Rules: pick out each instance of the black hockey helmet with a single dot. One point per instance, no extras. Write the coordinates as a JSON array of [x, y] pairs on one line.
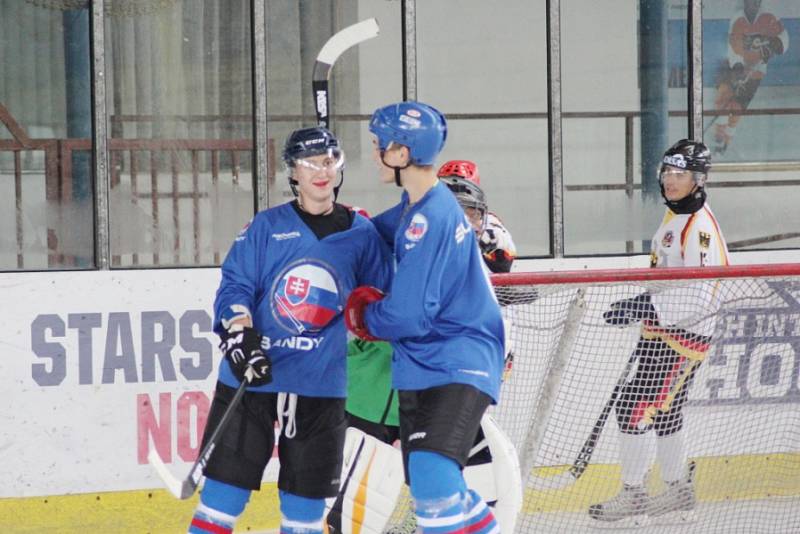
[[692, 156], [469, 195], [688, 155], [308, 142]]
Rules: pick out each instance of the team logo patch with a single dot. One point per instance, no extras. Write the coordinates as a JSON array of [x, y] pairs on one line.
[[666, 241], [411, 121], [417, 227], [676, 160], [243, 231], [305, 297], [705, 240]]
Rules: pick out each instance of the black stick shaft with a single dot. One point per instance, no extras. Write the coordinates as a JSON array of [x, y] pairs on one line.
[[196, 471], [583, 458]]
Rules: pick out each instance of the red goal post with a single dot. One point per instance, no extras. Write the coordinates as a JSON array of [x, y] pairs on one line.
[[742, 416]]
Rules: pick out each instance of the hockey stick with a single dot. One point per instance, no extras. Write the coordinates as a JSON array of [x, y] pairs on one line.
[[328, 54], [334, 518], [581, 462], [186, 488]]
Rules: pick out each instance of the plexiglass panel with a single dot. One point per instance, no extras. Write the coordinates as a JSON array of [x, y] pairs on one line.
[[181, 127], [624, 99], [46, 199], [751, 79], [363, 78], [485, 67]]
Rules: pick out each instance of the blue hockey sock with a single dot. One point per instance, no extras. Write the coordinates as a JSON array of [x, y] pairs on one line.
[[434, 476], [478, 517], [438, 489], [220, 506], [301, 515]]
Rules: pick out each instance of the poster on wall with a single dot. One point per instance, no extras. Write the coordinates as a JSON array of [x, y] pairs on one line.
[[98, 369], [751, 76]]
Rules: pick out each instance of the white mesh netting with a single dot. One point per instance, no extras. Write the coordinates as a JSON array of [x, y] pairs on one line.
[[737, 338]]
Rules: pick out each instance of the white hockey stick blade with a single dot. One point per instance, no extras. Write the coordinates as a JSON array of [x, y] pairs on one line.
[[555, 482], [181, 490], [346, 38]]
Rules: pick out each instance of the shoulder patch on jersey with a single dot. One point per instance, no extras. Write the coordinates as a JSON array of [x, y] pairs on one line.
[[705, 239], [463, 230], [243, 231], [416, 228], [666, 241]]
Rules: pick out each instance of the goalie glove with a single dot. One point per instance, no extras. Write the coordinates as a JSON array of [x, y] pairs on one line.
[[488, 240], [242, 348], [356, 306], [627, 311]]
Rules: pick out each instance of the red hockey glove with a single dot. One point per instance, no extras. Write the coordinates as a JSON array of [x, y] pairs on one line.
[[354, 310]]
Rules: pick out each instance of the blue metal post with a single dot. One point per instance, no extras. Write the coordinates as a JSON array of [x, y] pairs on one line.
[[653, 91], [79, 96]]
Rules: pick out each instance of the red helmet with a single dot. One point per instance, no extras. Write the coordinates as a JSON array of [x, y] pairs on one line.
[[460, 168]]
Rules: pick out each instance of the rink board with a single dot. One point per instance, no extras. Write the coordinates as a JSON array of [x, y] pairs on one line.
[[103, 366]]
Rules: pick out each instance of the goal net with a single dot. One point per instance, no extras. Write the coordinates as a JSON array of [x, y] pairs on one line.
[[730, 334]]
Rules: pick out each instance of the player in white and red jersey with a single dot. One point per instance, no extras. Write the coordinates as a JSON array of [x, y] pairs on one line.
[[677, 325]]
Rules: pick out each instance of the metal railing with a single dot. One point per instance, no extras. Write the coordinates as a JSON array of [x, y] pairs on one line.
[[144, 156]]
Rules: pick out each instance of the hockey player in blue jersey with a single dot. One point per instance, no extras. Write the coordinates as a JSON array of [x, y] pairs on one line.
[[441, 318], [278, 312]]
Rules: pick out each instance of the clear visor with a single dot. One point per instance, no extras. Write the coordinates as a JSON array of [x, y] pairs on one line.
[[332, 160], [668, 172]]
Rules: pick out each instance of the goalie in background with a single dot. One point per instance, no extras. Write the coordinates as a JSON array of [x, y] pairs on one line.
[[278, 311], [463, 179], [441, 318], [754, 38], [676, 328]]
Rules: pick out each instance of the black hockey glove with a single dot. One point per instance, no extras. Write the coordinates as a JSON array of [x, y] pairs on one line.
[[627, 311], [248, 361]]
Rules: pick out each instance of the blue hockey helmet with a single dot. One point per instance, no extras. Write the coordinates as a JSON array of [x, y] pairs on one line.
[[420, 127]]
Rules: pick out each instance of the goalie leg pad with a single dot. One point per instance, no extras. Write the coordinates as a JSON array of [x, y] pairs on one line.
[[507, 475], [372, 477]]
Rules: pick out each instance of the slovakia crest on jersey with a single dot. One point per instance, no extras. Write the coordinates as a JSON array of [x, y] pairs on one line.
[[305, 297], [417, 227], [666, 241]]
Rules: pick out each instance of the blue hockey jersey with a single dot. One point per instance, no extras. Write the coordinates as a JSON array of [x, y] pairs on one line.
[[295, 287], [441, 315]]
